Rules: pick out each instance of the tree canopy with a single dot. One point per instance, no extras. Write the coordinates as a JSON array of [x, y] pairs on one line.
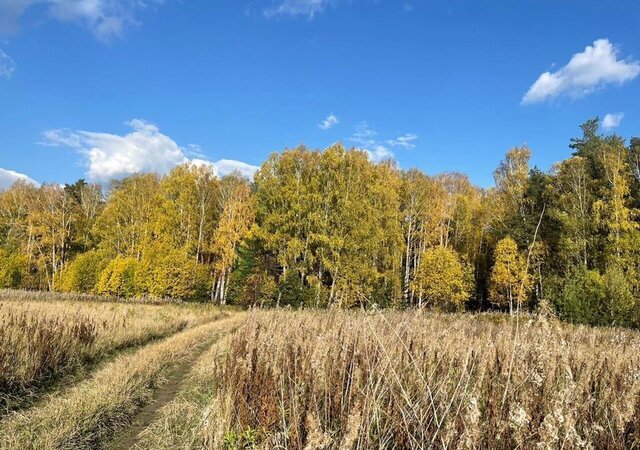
[[332, 228]]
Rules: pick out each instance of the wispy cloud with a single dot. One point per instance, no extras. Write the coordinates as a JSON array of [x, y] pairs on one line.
[[106, 19], [10, 13], [308, 8], [612, 120], [7, 65], [329, 122], [365, 138], [597, 66], [144, 149], [363, 135], [406, 141]]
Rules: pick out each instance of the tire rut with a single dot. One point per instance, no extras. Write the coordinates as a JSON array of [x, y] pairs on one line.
[[128, 437], [62, 383]]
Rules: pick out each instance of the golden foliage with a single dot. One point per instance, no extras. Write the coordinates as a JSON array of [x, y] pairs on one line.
[[510, 282], [443, 280]]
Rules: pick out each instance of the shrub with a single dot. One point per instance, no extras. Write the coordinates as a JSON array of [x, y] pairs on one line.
[[587, 297], [118, 278], [83, 273], [581, 296], [254, 289], [13, 269], [621, 306], [172, 274]]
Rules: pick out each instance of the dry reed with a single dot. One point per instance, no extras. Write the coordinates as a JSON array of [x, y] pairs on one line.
[[352, 380]]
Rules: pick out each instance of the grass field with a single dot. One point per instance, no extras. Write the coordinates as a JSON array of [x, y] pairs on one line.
[[170, 376], [349, 380], [41, 341]]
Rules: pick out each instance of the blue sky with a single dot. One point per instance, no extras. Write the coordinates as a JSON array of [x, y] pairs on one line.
[[102, 88]]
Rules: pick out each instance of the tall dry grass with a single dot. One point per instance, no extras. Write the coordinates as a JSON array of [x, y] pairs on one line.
[[89, 415], [42, 340], [347, 380]]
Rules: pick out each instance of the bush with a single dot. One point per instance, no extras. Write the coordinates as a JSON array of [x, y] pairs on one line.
[[252, 289], [621, 306], [83, 273], [587, 297], [118, 278], [172, 274], [13, 269], [581, 296]]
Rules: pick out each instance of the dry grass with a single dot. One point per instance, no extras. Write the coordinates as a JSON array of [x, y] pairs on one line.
[[87, 416], [184, 423], [346, 380], [42, 340]]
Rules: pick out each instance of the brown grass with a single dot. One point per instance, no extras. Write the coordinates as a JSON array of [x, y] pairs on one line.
[[40, 341], [350, 380], [87, 416]]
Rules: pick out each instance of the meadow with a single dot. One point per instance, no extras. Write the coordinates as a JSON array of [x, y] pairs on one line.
[[46, 336], [331, 379], [353, 380]]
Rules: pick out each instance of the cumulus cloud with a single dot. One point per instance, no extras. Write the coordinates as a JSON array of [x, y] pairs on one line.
[[406, 141], [365, 138], [379, 153], [8, 177], [307, 8], [597, 66], [7, 65], [612, 120], [106, 19], [144, 149], [329, 122], [224, 167]]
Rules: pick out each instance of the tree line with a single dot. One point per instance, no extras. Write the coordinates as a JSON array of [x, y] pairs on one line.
[[331, 228]]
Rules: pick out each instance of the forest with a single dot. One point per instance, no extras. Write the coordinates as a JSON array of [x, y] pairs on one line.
[[330, 228]]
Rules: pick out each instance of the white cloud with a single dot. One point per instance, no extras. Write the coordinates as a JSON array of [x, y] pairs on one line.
[[7, 65], [329, 122], [613, 120], [106, 19], [405, 141], [365, 139], [8, 177], [144, 149], [307, 8], [227, 166], [363, 135], [61, 138], [194, 151], [379, 153], [597, 66]]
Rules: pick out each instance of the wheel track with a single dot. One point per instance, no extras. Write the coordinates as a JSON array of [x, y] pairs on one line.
[[128, 438]]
